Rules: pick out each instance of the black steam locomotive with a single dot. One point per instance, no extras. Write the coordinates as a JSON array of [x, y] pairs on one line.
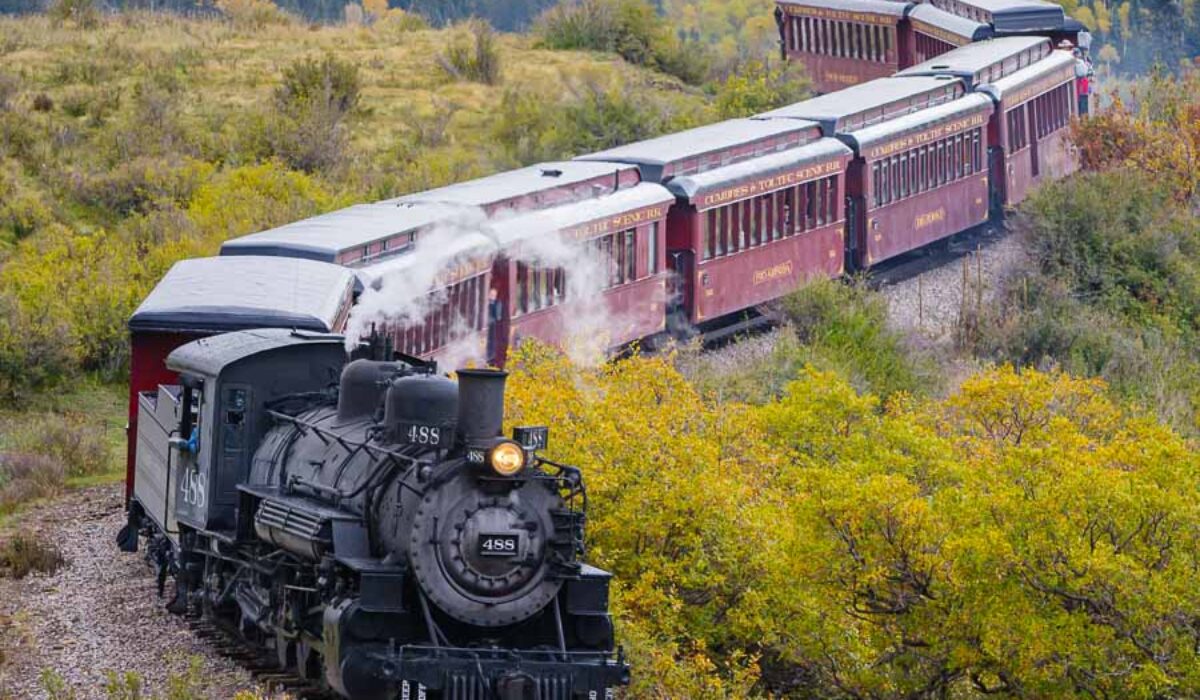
[[369, 523]]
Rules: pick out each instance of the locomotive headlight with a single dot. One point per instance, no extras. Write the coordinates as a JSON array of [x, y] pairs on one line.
[[507, 458]]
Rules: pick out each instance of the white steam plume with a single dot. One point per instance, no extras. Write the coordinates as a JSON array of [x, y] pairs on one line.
[[399, 295]]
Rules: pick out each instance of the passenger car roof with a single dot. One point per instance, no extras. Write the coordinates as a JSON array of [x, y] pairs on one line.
[[323, 237], [232, 293], [1021, 15], [690, 186], [976, 61], [967, 30], [868, 103], [919, 121], [657, 153], [485, 191], [1057, 61]]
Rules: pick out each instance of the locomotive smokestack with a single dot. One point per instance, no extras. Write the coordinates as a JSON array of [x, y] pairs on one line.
[[480, 403]]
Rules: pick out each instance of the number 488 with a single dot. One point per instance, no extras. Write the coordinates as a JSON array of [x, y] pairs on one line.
[[424, 435]]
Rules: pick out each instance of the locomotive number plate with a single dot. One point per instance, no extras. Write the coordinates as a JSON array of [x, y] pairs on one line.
[[425, 435], [498, 545]]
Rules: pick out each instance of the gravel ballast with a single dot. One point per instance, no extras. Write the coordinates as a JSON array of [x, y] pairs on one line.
[[931, 303], [97, 614]]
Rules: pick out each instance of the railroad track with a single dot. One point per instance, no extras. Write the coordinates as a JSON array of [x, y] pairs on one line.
[[258, 662], [935, 255]]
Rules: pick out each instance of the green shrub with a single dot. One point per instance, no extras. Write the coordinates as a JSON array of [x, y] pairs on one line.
[[22, 210], [753, 370], [253, 14], [252, 198], [472, 54], [829, 544], [595, 115], [1113, 292], [757, 87], [396, 21], [844, 327], [1118, 242], [35, 349], [10, 87], [331, 83], [632, 29], [315, 99], [142, 184]]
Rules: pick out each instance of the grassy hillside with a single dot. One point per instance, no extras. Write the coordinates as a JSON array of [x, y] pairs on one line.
[[140, 139]]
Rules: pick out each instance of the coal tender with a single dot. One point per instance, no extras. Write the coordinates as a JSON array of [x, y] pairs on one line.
[[368, 523]]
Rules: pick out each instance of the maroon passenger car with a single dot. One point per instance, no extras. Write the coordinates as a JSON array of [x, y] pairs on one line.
[[918, 179], [847, 42], [433, 303], [842, 42], [934, 32], [619, 240], [1033, 87], [752, 232], [1034, 110], [759, 210]]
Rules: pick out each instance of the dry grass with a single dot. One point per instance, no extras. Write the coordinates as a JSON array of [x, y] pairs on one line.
[[236, 68], [24, 553]]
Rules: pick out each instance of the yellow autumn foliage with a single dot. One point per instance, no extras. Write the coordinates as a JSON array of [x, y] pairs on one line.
[[1025, 536]]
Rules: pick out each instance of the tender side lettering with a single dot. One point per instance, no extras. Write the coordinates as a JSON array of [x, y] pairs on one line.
[[769, 184]]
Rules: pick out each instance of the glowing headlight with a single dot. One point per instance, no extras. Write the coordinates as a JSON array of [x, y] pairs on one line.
[[507, 458]]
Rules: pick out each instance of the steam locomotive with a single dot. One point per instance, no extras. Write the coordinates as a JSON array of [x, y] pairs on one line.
[[368, 523]]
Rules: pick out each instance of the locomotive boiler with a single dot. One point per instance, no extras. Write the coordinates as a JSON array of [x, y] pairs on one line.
[[369, 523]]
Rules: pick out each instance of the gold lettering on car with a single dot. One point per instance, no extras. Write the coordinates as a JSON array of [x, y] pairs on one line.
[[930, 218], [842, 78], [843, 15], [936, 133], [1054, 80], [617, 222], [937, 33], [765, 185], [774, 272]]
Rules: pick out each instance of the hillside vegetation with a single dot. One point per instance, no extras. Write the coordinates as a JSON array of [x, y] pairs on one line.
[[1115, 288], [130, 141]]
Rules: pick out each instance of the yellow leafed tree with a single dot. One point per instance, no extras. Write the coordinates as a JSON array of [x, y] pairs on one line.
[[1025, 536]]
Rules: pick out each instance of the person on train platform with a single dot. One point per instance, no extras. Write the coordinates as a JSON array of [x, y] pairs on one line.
[[1082, 73], [495, 313], [1083, 81]]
